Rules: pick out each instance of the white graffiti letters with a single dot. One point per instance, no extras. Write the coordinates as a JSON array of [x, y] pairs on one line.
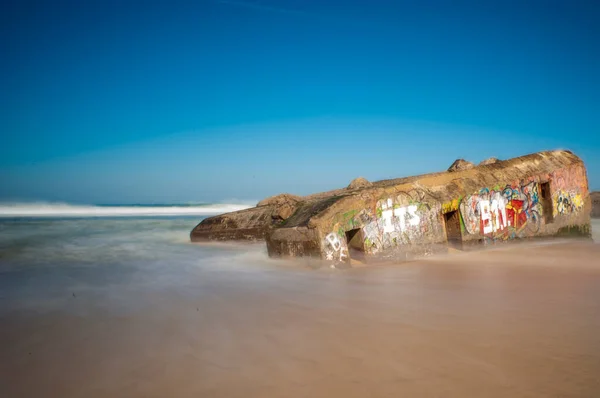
[[334, 249], [493, 217], [486, 217], [498, 214], [407, 216], [387, 215], [401, 220], [334, 241]]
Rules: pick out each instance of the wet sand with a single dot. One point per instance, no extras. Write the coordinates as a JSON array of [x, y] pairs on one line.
[[510, 322]]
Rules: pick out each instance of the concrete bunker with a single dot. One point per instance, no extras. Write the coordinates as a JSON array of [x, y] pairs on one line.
[[538, 195]]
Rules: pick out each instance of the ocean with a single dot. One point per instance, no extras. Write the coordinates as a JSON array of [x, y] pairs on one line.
[[100, 301]]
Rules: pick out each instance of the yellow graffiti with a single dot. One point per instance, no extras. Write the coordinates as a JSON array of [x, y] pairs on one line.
[[450, 206], [567, 202], [577, 201], [516, 211]]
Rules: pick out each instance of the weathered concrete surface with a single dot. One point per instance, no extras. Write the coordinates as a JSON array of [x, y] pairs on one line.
[[595, 196], [284, 205], [538, 195], [248, 224], [359, 182], [489, 161], [460, 165]]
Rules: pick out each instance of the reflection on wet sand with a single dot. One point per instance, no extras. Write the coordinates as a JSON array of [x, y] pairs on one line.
[[518, 322]]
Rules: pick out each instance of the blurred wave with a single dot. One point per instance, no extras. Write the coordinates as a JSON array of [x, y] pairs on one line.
[[138, 242], [43, 209]]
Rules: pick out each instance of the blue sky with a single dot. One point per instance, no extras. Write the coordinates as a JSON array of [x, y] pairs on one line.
[[211, 100]]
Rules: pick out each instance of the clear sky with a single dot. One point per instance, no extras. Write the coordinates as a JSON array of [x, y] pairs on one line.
[[213, 100]]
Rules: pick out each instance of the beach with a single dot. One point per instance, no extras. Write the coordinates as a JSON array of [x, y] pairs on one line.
[[299, 199], [130, 308]]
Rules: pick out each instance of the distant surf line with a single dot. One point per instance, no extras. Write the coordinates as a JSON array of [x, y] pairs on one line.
[[72, 210]]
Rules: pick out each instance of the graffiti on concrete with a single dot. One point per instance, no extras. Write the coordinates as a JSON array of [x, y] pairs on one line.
[[493, 214], [566, 202], [401, 221], [568, 183], [404, 217], [335, 249], [416, 217], [502, 213]]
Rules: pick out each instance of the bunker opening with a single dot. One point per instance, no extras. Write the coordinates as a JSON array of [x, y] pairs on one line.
[[453, 234], [546, 202], [356, 244]]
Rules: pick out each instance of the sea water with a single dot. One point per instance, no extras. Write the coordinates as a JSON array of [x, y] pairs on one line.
[[126, 305]]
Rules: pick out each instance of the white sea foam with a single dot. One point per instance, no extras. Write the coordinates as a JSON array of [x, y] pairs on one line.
[[71, 210]]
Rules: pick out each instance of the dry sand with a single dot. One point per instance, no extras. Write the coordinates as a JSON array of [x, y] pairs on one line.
[[518, 321]]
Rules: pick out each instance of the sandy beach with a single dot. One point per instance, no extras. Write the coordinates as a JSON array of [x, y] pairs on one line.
[[299, 199], [518, 321]]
